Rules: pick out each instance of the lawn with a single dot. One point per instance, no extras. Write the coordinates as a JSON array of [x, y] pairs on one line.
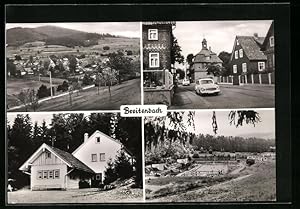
[[128, 92], [90, 195], [15, 86]]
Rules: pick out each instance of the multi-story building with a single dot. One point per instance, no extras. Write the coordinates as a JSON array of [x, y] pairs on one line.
[[247, 58], [157, 46], [268, 49], [204, 59]]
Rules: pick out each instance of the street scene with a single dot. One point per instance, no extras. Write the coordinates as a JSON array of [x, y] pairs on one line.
[[231, 96], [187, 65], [211, 156], [72, 66]]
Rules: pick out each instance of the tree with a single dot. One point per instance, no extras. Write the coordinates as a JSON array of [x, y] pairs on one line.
[[11, 68], [176, 55], [123, 166], [214, 70], [120, 64], [109, 76], [225, 57], [181, 73], [43, 91], [18, 57], [73, 64], [33, 100], [87, 80], [20, 147], [190, 58], [110, 173], [23, 97]]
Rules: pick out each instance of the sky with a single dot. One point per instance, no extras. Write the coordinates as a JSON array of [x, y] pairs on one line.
[[128, 29], [263, 129], [219, 35]]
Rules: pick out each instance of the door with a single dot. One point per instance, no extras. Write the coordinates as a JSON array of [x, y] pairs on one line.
[[236, 80], [96, 180]]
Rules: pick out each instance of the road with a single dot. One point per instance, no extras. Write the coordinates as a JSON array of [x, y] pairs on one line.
[[231, 96], [129, 92]]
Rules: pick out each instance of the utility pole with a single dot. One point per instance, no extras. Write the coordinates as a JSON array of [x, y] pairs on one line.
[[51, 91]]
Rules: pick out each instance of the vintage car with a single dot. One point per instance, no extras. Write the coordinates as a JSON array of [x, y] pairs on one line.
[[185, 82], [206, 86]]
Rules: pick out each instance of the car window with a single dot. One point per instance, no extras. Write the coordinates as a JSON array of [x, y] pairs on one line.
[[207, 81]]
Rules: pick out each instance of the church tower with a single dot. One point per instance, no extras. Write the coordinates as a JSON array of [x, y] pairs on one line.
[[204, 44]]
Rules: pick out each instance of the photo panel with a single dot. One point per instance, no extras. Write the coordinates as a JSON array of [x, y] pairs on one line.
[[209, 64], [65, 66], [211, 156], [74, 158]]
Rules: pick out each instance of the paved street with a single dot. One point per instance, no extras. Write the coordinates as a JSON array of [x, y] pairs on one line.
[[230, 97]]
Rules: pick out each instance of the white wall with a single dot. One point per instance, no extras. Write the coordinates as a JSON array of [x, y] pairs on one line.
[[107, 146], [48, 183]]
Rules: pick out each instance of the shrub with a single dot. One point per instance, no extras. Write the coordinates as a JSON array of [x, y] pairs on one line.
[[43, 91], [196, 155], [106, 48], [63, 87]]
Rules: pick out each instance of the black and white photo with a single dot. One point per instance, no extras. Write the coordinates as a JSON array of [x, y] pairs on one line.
[[72, 66], [211, 156], [209, 64], [74, 158]]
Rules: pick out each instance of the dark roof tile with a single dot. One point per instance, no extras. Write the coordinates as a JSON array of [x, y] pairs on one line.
[[251, 47], [73, 161]]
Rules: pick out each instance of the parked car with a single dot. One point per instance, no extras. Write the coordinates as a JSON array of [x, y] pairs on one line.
[[185, 82], [206, 86]]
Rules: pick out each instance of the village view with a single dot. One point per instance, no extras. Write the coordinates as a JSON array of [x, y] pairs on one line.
[[55, 68]]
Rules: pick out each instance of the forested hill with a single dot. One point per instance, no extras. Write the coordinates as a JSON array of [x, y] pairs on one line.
[[52, 35]]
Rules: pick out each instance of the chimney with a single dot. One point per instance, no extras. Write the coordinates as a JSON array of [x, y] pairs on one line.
[[86, 136]]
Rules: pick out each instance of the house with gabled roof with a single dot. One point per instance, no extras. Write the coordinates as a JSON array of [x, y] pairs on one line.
[[268, 49], [96, 150], [203, 59], [247, 57], [52, 168]]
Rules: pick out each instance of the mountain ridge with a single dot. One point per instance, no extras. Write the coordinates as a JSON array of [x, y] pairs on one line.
[[69, 37]]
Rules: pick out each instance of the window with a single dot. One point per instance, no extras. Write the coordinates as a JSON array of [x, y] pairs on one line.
[[241, 53], [40, 174], [48, 154], [153, 79], [152, 34], [261, 66], [99, 176], [94, 157], [244, 66], [271, 41], [153, 59], [236, 54], [207, 58], [102, 156], [98, 139], [234, 68], [56, 174], [45, 174], [50, 176]]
